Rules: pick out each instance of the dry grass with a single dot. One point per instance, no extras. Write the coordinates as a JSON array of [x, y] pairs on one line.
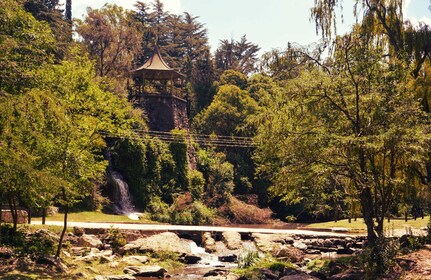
[[239, 212]]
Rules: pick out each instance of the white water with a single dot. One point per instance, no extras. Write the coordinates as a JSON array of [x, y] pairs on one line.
[[123, 201]]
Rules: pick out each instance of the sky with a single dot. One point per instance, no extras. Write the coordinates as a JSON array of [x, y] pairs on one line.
[[271, 24]]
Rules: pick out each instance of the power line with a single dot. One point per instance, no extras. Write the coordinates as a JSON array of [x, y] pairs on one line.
[[202, 139]]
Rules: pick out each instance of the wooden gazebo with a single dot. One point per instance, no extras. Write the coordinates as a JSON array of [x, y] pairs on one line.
[[159, 90]]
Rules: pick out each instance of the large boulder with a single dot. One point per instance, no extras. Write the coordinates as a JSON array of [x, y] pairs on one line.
[[145, 271], [288, 253], [89, 240], [232, 240], [268, 242], [208, 242], [166, 242]]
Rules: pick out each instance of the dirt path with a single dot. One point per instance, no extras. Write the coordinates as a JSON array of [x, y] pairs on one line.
[[420, 266], [157, 227]]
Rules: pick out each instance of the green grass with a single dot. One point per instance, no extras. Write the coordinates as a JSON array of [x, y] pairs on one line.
[[94, 217], [359, 225]]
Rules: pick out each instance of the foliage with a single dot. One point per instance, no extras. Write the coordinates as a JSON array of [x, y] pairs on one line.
[[349, 126], [248, 259], [153, 173], [115, 238], [196, 184], [232, 77], [240, 56], [218, 174], [379, 259]]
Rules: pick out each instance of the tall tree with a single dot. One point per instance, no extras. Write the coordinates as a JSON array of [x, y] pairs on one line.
[[237, 55]]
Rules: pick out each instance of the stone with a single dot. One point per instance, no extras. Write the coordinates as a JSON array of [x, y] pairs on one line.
[[79, 251], [114, 264], [191, 259], [78, 231], [135, 260], [268, 274], [299, 245], [232, 240], [107, 253], [88, 258], [267, 242], [120, 277], [312, 252], [348, 275], [89, 240], [216, 273], [228, 258], [98, 277], [60, 267], [208, 242], [6, 253], [302, 276], [106, 259], [145, 271], [166, 242], [6, 216], [288, 253], [339, 229]]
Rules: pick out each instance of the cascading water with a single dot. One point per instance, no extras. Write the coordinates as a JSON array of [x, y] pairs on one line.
[[123, 201]]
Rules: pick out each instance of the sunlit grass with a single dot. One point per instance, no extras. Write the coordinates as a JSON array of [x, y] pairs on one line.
[[95, 217], [359, 225]]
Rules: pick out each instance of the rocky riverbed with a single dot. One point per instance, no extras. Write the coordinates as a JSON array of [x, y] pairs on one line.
[[208, 255]]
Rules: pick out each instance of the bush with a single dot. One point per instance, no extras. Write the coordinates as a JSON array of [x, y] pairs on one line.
[[379, 259], [196, 183], [116, 239], [40, 243]]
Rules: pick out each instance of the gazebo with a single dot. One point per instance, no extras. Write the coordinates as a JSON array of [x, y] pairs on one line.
[[159, 90]]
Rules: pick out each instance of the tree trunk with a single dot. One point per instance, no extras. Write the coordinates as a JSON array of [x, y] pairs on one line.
[[43, 215], [367, 212], [60, 243], [406, 216], [13, 212], [29, 216], [69, 10], [66, 211]]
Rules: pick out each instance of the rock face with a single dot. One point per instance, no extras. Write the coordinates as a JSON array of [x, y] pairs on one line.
[[145, 271], [232, 240], [89, 240]]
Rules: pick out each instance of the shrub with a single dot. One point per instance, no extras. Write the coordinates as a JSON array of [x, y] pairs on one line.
[[248, 259], [116, 238], [377, 260], [40, 243], [196, 183]]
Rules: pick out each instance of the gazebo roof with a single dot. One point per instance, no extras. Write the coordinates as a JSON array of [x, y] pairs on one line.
[[155, 68]]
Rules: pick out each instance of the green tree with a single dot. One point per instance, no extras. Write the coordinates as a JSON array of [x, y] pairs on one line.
[[351, 123]]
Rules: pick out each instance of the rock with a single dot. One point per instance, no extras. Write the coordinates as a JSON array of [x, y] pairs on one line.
[[232, 240], [107, 253], [98, 277], [135, 260], [94, 251], [208, 242], [216, 273], [299, 245], [191, 259], [269, 274], [78, 231], [145, 271], [89, 258], [79, 251], [312, 252], [114, 264], [6, 253], [60, 267], [120, 277], [339, 229], [267, 242], [328, 255], [106, 259], [89, 240], [228, 258], [6, 216], [348, 275], [302, 276], [166, 242], [288, 253]]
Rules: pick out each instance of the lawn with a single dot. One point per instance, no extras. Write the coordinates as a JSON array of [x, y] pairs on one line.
[[95, 217], [359, 225]]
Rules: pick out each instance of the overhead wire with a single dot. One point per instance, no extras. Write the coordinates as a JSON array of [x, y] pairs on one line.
[[202, 139]]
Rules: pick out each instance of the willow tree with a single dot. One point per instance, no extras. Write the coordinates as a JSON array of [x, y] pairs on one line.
[[349, 123]]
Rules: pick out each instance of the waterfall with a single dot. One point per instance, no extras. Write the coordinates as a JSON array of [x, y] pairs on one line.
[[123, 201]]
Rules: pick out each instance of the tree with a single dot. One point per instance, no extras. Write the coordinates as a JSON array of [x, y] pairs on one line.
[[350, 122], [112, 38], [237, 55]]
